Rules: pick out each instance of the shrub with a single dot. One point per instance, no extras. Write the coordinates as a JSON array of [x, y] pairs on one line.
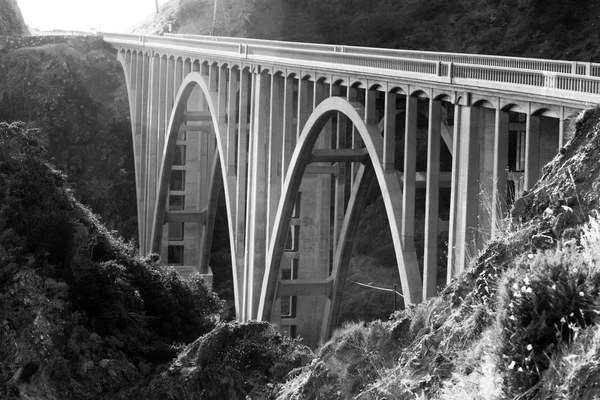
[[541, 305]]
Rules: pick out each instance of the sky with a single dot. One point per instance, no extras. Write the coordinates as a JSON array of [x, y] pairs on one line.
[[106, 15]]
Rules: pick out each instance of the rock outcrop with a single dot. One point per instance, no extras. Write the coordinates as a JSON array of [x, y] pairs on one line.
[[11, 19]]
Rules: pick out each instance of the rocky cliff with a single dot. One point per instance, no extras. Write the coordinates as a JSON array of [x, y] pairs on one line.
[[11, 19]]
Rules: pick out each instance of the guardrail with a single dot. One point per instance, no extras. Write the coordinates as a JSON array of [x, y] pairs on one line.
[[572, 86], [565, 67]]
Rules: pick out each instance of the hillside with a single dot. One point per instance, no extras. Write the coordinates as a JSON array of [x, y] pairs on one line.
[[522, 323], [11, 19], [555, 29], [74, 89], [81, 314]]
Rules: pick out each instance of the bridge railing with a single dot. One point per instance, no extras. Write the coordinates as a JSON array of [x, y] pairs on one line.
[[565, 67], [573, 86], [360, 60]]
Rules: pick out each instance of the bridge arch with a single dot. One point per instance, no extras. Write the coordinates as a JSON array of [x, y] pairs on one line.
[[217, 172], [372, 167]]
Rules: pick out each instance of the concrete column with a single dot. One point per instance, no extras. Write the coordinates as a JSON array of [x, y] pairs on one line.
[[241, 186], [153, 133], [561, 128], [137, 91], [275, 147], [389, 133], [169, 93], [352, 96], [304, 103], [289, 136], [549, 140], [467, 188], [454, 192], [177, 77], [370, 107], [213, 78], [410, 165], [222, 95], [187, 67], [500, 165], [257, 192], [162, 115], [232, 107], [340, 178], [432, 200], [532, 148], [144, 150], [486, 129]]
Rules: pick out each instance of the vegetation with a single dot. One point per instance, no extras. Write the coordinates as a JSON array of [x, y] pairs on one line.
[[77, 96], [81, 314], [548, 29], [233, 361]]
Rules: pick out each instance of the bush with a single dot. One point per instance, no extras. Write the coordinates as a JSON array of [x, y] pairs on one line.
[[542, 305], [232, 361]]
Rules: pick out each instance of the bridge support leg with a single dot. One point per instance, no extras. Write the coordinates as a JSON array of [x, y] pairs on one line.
[[432, 200], [256, 227], [410, 165], [466, 188], [485, 129], [500, 165], [532, 147], [240, 196]]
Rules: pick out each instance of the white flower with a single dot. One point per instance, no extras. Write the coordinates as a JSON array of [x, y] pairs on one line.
[[529, 347], [554, 286], [529, 290], [530, 256], [515, 286], [520, 369], [581, 294], [526, 280], [575, 270], [512, 365], [523, 288], [563, 320]]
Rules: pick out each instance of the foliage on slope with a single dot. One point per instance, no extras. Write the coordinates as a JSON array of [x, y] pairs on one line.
[[548, 29], [81, 315], [77, 96], [522, 323], [231, 362], [11, 19]]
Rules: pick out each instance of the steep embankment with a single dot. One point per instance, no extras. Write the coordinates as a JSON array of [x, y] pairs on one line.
[[523, 323], [11, 19], [81, 315], [74, 89]]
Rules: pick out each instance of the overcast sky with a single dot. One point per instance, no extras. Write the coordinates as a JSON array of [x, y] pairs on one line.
[[108, 15]]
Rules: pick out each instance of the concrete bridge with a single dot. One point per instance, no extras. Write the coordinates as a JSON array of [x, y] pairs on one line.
[[294, 134]]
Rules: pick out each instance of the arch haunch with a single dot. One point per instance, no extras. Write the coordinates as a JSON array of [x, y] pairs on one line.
[[391, 192]]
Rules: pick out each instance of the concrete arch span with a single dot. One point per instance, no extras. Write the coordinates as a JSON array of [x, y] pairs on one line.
[[372, 167], [217, 173]]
